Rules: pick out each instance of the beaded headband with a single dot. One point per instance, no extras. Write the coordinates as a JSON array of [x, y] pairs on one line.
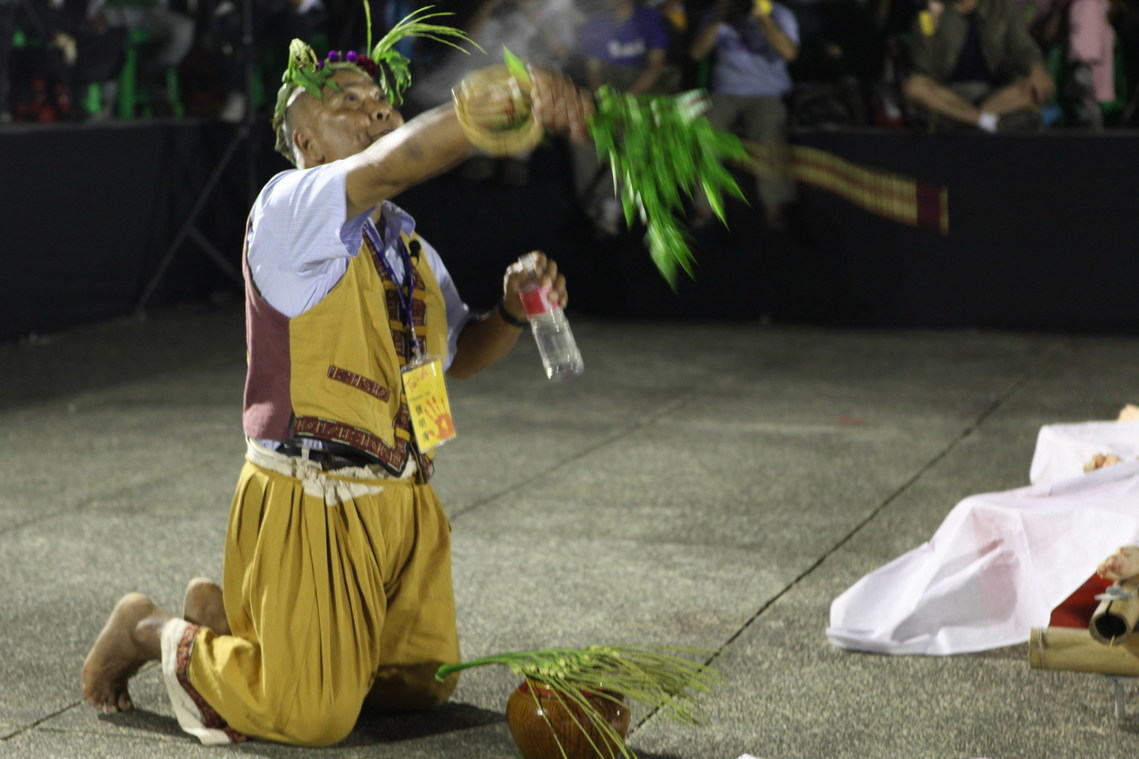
[[385, 65]]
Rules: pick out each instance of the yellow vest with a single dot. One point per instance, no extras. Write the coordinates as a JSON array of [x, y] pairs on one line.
[[344, 358]]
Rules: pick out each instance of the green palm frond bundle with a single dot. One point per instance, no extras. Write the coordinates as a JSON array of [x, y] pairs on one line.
[[662, 149], [644, 679]]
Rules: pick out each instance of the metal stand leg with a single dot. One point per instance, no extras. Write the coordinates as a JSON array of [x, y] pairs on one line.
[[245, 136], [1120, 705]]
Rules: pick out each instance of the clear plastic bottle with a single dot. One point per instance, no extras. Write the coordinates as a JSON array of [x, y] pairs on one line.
[[548, 322]]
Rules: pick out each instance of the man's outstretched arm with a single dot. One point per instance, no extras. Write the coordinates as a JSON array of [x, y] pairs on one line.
[[434, 141]]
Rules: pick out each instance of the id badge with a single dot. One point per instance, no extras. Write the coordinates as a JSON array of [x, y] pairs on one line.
[[427, 399]]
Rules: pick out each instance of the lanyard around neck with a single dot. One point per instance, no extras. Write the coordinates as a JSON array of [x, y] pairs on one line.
[[405, 291]]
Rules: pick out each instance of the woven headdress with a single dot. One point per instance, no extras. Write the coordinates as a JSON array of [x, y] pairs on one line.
[[385, 65]]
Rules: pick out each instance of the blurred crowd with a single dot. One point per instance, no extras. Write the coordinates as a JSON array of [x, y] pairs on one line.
[[933, 66], [89, 60]]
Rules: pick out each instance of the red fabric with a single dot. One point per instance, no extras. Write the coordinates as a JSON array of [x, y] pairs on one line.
[[267, 403], [1077, 609], [931, 213]]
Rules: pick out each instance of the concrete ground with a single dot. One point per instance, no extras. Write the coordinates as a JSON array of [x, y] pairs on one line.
[[705, 485]]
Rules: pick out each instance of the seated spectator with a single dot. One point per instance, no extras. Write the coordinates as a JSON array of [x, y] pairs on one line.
[[275, 23], [753, 41], [1091, 51], [626, 46], [974, 64], [170, 35], [842, 52], [62, 53]]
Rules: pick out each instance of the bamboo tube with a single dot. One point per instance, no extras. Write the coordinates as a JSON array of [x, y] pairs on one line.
[[1074, 650], [1114, 619]]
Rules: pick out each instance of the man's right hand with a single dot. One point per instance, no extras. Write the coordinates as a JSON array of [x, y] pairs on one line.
[[559, 105]]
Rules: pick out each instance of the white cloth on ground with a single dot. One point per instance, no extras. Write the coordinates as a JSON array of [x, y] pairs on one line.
[[1062, 450], [1000, 562]]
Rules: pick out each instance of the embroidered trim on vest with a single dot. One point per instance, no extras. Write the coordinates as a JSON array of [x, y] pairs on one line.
[[392, 458], [210, 717], [371, 387]]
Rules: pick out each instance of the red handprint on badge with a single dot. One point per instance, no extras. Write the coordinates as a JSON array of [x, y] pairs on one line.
[[437, 412]]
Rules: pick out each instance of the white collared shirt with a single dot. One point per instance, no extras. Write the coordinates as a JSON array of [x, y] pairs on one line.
[[300, 244]]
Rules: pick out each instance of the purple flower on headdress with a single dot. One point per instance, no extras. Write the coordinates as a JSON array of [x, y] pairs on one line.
[[362, 61]]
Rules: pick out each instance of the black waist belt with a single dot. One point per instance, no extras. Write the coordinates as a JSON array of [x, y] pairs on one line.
[[327, 459]]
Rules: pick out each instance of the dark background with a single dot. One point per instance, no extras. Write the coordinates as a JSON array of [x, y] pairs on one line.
[[1041, 233]]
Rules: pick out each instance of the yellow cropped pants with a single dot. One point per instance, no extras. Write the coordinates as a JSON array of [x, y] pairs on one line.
[[336, 585]]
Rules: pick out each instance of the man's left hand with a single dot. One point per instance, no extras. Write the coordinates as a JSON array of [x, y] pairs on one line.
[[515, 278]]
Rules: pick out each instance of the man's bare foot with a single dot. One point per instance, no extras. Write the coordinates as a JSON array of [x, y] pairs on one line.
[[204, 605], [131, 637], [1129, 413], [1121, 565], [1101, 460]]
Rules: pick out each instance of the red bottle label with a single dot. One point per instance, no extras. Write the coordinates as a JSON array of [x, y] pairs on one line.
[[536, 301]]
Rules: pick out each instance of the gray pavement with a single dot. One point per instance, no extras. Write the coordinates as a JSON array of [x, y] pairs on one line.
[[707, 485]]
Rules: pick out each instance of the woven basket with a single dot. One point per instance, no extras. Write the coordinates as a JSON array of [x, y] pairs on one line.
[[494, 110]]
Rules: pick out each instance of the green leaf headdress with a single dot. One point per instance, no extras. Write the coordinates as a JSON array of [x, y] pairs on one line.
[[390, 69]]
